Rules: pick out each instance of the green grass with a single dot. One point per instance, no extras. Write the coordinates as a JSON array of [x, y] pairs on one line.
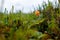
[[21, 26]]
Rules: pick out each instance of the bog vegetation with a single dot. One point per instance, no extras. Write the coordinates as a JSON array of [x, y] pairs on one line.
[[38, 25]]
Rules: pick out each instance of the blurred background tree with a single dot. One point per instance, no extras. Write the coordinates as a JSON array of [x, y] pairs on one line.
[[59, 1]]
